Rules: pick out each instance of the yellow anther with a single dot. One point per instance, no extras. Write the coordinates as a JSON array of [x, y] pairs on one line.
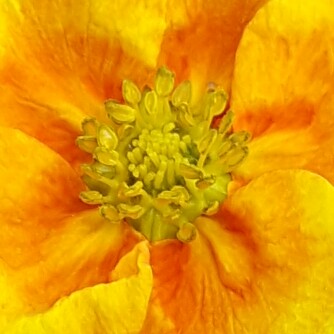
[[205, 183], [131, 191], [235, 156], [217, 102], [182, 94], [131, 93], [177, 195], [151, 102], [102, 169], [87, 143], [224, 147], [186, 233], [124, 131], [110, 212], [207, 141], [185, 117], [120, 113], [212, 209], [240, 137], [89, 127], [130, 211], [107, 138], [91, 197], [164, 82], [106, 157], [226, 123], [205, 145], [190, 171], [157, 164]]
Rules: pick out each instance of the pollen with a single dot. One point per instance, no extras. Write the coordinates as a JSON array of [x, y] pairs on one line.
[[159, 163]]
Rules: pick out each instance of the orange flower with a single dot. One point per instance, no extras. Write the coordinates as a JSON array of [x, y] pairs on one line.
[[262, 264]]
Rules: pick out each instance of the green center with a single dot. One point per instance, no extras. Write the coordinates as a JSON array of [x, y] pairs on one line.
[[158, 164], [155, 158]]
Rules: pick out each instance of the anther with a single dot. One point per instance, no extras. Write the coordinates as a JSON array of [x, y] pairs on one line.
[[157, 164]]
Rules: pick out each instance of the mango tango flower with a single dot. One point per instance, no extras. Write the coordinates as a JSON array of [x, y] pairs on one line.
[[190, 227]]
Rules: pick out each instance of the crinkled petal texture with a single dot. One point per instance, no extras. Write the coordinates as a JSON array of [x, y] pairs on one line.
[[264, 266], [59, 61], [50, 246], [202, 37], [283, 87], [115, 308]]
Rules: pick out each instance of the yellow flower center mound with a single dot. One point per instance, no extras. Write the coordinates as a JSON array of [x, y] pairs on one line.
[[158, 164]]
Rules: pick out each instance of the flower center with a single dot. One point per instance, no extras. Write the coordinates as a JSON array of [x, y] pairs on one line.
[[155, 158], [158, 164]]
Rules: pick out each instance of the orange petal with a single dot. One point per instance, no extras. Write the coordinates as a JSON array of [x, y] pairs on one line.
[[267, 267], [34, 179], [57, 66], [60, 61], [201, 41], [118, 307], [49, 245], [282, 87]]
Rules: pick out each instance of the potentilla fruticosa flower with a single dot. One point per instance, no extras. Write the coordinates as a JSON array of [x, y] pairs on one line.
[[166, 167]]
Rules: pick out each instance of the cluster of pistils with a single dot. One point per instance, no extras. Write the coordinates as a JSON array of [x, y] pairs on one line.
[[158, 164]]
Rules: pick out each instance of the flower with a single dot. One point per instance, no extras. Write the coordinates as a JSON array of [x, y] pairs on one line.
[[158, 164], [262, 264]]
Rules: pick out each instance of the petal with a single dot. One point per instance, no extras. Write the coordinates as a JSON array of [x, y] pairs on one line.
[[267, 267], [60, 61], [34, 179], [80, 252], [50, 247], [282, 87], [201, 41], [118, 307]]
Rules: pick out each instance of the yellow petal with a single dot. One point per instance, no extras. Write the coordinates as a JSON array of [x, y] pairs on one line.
[[34, 179], [137, 27], [282, 87], [117, 307], [201, 41], [287, 216], [59, 61], [50, 247], [266, 267]]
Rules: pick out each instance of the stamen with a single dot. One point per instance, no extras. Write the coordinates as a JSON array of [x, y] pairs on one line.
[[158, 164]]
